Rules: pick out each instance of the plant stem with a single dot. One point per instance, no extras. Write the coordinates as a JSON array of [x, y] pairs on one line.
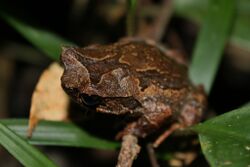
[[129, 151]]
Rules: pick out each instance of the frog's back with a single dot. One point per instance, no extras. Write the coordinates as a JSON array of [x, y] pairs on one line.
[[152, 66], [145, 62]]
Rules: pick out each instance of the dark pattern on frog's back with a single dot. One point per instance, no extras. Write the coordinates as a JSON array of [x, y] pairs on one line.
[[136, 59]]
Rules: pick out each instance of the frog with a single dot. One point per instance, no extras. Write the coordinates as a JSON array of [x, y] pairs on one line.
[[136, 78]]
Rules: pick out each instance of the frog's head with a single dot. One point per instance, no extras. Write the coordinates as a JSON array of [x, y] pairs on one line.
[[75, 78], [89, 80]]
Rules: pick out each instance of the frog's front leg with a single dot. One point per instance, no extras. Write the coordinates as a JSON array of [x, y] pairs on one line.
[[147, 123]]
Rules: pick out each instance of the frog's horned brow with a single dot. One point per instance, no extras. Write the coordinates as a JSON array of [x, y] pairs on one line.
[[64, 48], [67, 53], [67, 57]]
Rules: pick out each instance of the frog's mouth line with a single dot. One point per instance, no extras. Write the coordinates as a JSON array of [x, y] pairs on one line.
[[90, 101], [113, 104]]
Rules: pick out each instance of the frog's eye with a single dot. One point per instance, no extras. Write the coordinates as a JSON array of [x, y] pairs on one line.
[[90, 100]]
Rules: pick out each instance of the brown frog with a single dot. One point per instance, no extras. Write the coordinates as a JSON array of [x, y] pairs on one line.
[[133, 77]]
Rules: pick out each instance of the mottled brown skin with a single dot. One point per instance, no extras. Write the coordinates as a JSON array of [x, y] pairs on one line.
[[132, 77]]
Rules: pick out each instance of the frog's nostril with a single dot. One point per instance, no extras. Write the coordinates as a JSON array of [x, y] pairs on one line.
[[90, 100]]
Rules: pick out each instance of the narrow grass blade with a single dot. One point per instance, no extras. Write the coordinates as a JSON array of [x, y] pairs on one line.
[[130, 20], [47, 42], [21, 150], [225, 140], [58, 134], [211, 42]]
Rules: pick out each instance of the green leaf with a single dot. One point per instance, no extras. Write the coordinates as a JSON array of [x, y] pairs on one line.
[[47, 42], [21, 150], [196, 9], [211, 42], [58, 134], [241, 36], [225, 140]]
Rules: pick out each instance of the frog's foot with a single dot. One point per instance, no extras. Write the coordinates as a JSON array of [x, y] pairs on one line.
[[167, 133]]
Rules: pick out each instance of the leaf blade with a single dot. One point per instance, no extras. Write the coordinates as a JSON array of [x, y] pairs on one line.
[[58, 134], [211, 41], [21, 150], [225, 140], [47, 42], [195, 10]]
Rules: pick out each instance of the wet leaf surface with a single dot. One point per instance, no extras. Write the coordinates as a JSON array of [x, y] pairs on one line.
[[225, 140], [21, 150]]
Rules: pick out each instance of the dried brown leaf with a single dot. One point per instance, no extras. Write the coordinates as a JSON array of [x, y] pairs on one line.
[[49, 102]]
